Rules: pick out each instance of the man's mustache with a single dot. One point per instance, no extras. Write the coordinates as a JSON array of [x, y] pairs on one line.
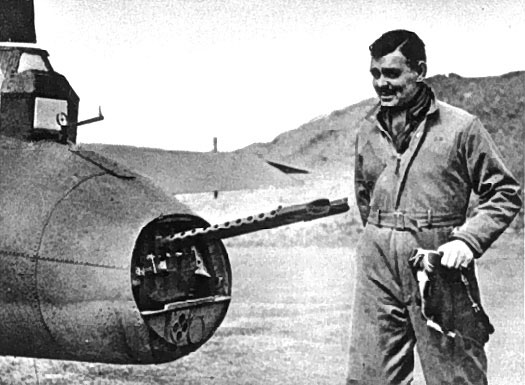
[[387, 90]]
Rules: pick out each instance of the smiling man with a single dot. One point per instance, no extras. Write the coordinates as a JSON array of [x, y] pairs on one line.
[[417, 162]]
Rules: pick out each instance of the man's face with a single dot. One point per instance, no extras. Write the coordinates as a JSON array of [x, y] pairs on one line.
[[394, 81]]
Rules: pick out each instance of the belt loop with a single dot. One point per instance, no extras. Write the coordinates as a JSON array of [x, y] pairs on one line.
[[429, 218], [395, 220], [399, 217], [378, 217]]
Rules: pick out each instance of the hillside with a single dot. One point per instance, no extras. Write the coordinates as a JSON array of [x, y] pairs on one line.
[[324, 145], [327, 144]]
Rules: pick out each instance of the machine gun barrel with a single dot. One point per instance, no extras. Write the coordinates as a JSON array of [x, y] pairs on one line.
[[279, 217]]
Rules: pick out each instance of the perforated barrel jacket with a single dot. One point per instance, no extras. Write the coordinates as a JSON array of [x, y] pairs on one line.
[[450, 154]]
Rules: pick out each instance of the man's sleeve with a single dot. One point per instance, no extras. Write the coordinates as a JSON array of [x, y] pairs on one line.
[[362, 192], [499, 192]]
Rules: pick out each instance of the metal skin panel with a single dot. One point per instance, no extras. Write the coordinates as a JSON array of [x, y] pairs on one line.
[[79, 305], [33, 178], [99, 222], [23, 332]]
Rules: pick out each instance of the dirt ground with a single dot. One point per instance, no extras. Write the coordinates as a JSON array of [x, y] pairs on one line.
[[288, 324]]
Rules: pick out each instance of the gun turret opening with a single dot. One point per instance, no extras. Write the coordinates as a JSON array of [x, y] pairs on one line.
[[182, 293], [162, 276]]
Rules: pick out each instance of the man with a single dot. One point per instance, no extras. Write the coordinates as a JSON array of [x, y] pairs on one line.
[[417, 161]]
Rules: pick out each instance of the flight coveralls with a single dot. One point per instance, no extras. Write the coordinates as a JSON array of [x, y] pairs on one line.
[[419, 199]]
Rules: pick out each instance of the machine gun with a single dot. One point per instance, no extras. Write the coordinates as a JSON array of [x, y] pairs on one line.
[[168, 246], [281, 216], [182, 280]]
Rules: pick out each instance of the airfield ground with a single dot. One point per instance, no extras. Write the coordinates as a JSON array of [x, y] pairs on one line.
[[288, 324]]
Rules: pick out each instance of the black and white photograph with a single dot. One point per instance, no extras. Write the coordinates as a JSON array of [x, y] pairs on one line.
[[262, 192]]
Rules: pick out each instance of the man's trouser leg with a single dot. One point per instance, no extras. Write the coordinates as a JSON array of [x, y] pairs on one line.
[[382, 339], [387, 318]]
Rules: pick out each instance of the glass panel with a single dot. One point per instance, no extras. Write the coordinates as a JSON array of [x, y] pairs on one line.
[[30, 61], [46, 111]]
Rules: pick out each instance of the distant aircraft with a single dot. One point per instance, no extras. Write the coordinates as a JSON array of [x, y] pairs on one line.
[[96, 262]]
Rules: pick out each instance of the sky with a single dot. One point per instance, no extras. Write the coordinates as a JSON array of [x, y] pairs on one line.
[[173, 74]]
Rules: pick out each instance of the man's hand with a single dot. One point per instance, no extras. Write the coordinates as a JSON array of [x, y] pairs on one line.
[[456, 254]]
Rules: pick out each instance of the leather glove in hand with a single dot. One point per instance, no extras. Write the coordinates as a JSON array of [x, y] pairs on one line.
[[456, 254]]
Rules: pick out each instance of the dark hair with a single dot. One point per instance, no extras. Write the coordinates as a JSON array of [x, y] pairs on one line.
[[409, 44]]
